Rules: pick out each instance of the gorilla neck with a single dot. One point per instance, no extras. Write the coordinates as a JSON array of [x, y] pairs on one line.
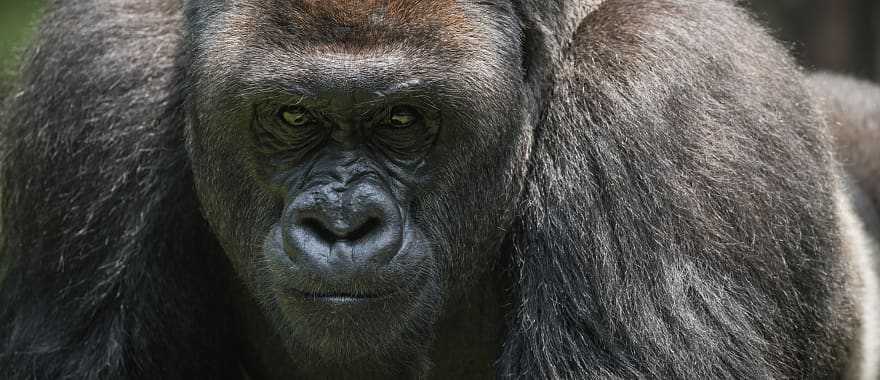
[[469, 339], [467, 343]]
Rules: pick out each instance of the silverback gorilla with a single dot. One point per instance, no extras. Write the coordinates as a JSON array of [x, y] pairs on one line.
[[530, 189]]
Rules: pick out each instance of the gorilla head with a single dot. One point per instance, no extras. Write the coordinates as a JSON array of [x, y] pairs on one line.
[[353, 156], [560, 189]]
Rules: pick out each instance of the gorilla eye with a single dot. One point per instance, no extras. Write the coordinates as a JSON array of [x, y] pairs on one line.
[[295, 116], [402, 117]]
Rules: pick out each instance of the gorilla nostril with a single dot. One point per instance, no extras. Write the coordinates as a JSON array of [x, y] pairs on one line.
[[328, 235], [365, 229], [339, 232], [317, 228]]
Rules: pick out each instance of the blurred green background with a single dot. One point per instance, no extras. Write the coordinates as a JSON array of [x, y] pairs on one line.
[[17, 19], [839, 35]]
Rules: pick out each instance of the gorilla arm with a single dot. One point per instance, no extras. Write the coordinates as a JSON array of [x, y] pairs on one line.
[[95, 181], [852, 110], [680, 220]]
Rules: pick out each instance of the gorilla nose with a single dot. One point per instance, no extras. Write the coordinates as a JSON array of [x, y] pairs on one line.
[[343, 229], [332, 230]]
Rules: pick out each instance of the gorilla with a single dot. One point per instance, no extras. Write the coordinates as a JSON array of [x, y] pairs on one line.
[[528, 189]]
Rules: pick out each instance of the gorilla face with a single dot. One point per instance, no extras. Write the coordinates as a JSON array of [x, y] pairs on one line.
[[353, 156]]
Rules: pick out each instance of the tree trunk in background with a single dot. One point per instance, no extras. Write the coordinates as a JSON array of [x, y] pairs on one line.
[[830, 40], [876, 21], [836, 35]]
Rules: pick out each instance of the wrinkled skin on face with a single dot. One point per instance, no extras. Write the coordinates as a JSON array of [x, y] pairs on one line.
[[332, 149]]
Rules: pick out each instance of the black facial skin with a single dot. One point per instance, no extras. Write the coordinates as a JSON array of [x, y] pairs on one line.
[[449, 189], [345, 229], [346, 245]]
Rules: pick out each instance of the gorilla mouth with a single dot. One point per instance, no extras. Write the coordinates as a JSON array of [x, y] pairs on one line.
[[337, 297]]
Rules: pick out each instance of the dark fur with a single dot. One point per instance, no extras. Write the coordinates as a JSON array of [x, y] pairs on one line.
[[852, 109], [662, 206]]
